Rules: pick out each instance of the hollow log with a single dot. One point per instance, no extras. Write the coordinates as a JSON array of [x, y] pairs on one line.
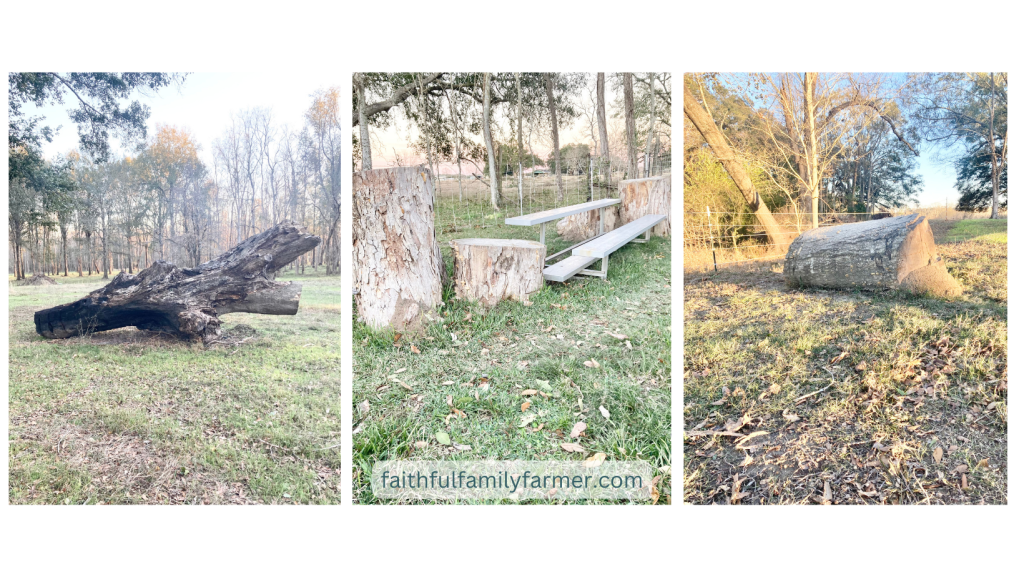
[[188, 302], [643, 196], [396, 261], [890, 253], [489, 270]]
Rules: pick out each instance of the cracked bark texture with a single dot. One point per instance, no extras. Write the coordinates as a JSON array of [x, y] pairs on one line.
[[490, 270], [396, 261], [188, 302], [890, 253]]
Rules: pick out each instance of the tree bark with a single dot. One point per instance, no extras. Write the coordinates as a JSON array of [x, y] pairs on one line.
[[889, 253], [488, 142], [188, 302], [645, 196], [602, 130], [396, 261], [519, 136], [627, 103], [811, 142], [364, 128], [549, 89], [489, 270], [707, 128]]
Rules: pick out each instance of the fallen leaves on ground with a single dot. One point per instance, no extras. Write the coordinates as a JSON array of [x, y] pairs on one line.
[[577, 430], [573, 447]]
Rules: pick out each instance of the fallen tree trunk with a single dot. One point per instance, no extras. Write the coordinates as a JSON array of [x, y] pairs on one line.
[[188, 302], [490, 270], [584, 225], [878, 254], [396, 261]]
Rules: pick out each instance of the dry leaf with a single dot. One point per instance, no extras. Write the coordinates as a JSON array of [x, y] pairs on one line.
[[415, 350], [462, 447], [774, 389], [539, 427], [937, 455], [841, 356], [404, 386], [615, 335], [573, 447], [747, 461], [604, 412], [578, 429], [364, 407], [861, 367], [827, 494], [594, 460], [422, 444], [526, 420], [592, 364], [983, 463], [629, 345], [448, 400], [449, 383], [524, 406], [963, 481], [961, 469]]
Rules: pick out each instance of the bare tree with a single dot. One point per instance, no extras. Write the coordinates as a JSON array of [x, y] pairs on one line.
[[488, 142], [549, 88], [627, 102]]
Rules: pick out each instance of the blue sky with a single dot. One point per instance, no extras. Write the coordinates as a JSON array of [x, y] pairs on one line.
[[205, 102]]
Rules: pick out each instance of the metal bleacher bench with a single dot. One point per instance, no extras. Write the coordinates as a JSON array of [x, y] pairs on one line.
[[589, 251]]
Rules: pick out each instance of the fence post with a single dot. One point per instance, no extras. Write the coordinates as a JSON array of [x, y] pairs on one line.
[[711, 235]]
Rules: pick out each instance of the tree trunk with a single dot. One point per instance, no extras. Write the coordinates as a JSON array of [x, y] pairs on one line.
[[811, 142], [648, 158], [187, 302], [707, 128], [889, 253], [627, 103], [490, 270], [488, 142], [364, 128], [549, 89], [602, 130], [396, 261]]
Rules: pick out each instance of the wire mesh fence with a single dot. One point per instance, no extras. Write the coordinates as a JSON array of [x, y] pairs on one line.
[[463, 203]]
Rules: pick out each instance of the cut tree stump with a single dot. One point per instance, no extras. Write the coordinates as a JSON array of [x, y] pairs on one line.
[[643, 196], [489, 270], [396, 261], [890, 253], [639, 197], [188, 302]]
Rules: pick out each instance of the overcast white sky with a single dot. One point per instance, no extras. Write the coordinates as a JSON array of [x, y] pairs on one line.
[[204, 104]]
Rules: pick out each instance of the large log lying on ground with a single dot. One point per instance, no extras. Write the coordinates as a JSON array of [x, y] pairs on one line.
[[639, 197], [889, 253], [489, 270], [188, 302], [396, 261]]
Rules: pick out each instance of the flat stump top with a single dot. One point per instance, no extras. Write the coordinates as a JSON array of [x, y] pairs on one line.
[[499, 242]]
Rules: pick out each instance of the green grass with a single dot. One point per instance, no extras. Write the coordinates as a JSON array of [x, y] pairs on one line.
[[514, 347], [983, 230], [851, 390], [129, 416]]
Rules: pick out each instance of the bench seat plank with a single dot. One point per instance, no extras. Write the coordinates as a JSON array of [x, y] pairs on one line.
[[567, 268], [616, 239], [561, 212]]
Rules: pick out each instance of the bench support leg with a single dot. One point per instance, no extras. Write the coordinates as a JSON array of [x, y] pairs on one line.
[[603, 273], [647, 237], [542, 226]]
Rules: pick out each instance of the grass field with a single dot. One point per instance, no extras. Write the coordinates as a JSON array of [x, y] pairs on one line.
[[129, 416], [818, 396], [483, 361]]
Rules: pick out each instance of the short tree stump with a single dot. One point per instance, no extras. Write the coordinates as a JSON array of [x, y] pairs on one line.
[[490, 270]]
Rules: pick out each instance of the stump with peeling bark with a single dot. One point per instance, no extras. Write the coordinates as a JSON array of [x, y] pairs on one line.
[[396, 261], [188, 302], [889, 253], [490, 270]]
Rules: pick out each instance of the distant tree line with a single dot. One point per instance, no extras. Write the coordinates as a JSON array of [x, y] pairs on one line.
[[93, 213]]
